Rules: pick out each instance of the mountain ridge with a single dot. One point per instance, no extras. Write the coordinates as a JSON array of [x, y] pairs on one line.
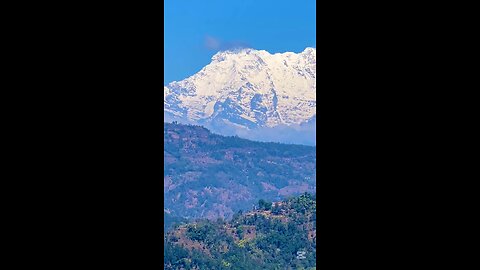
[[207, 175], [246, 90]]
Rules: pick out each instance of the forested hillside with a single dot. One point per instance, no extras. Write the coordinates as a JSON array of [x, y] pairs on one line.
[[281, 235], [209, 176]]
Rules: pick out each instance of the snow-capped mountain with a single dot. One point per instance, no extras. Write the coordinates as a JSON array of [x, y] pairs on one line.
[[250, 93]]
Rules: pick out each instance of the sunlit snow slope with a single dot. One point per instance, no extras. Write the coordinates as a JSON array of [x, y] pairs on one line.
[[250, 93]]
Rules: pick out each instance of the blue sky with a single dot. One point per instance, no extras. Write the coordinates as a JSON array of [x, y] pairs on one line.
[[196, 29]]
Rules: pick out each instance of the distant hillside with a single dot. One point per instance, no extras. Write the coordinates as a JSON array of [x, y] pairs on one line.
[[278, 237], [208, 175], [169, 220]]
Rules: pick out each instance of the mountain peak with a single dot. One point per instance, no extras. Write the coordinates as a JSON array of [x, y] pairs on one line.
[[242, 52], [247, 89], [310, 50]]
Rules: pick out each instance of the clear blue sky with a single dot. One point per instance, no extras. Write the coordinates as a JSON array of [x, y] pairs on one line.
[[196, 29]]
